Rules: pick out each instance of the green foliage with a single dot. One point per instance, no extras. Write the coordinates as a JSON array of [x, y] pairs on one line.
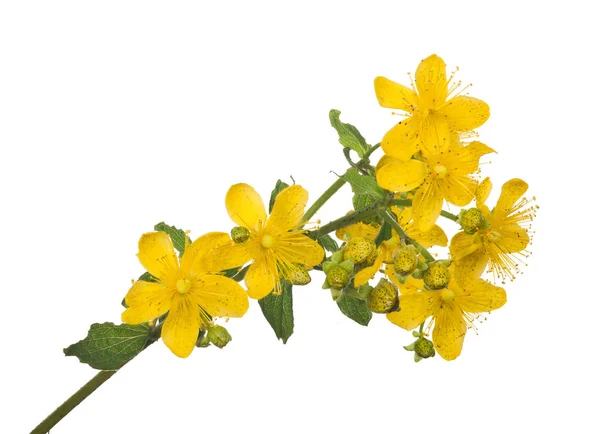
[[109, 346], [147, 277], [349, 136], [364, 185], [178, 236], [328, 243], [278, 310], [279, 186], [355, 309], [384, 234]]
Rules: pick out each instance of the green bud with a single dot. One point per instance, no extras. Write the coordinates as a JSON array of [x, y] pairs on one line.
[[202, 341], [337, 277], [299, 275], [219, 336], [359, 249], [437, 275], [405, 260], [240, 234], [384, 297], [424, 348], [471, 220]]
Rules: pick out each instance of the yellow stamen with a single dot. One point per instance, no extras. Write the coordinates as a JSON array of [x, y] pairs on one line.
[[183, 286], [267, 241], [441, 171]]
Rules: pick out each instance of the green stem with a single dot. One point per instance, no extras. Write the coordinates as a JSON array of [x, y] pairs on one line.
[[347, 220], [324, 198], [392, 221], [76, 399], [408, 202]]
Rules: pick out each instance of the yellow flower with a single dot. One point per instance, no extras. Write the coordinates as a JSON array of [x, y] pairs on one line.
[[439, 174], [452, 310], [434, 109], [501, 241], [189, 289], [275, 245]]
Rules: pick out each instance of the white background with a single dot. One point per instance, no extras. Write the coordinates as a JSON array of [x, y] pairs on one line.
[[117, 115]]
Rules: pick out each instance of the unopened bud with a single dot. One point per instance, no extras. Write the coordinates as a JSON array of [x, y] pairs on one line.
[[240, 234], [359, 250], [219, 336], [337, 277], [424, 348], [405, 260], [384, 297], [471, 220], [299, 275], [437, 275], [202, 341]]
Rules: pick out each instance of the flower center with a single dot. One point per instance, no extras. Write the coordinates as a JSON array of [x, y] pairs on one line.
[[441, 171], [493, 235], [267, 241], [447, 295], [183, 286]]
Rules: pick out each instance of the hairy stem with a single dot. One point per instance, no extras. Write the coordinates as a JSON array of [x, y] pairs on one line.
[[347, 220], [408, 202]]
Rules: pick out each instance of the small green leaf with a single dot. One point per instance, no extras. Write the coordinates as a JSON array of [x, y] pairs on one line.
[[355, 309], [231, 272], [147, 277], [385, 233], [364, 185], [178, 236], [278, 310], [349, 136], [328, 243], [109, 346], [279, 186]]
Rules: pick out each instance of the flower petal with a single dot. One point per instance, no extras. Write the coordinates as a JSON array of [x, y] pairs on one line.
[[229, 256], [465, 160], [463, 245], [367, 273], [511, 192], [473, 265], [449, 331], [295, 247], [288, 210], [458, 190], [146, 301], [402, 176], [261, 277], [357, 230], [427, 206], [245, 206], [479, 295], [180, 330], [157, 255], [401, 142], [465, 113], [483, 191], [436, 137], [220, 296], [200, 250], [394, 95], [431, 81], [433, 237], [512, 239], [414, 309]]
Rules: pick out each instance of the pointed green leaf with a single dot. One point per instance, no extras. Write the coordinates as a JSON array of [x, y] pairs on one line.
[[349, 136], [279, 186], [328, 243], [278, 310], [355, 309], [109, 346], [178, 236], [363, 184]]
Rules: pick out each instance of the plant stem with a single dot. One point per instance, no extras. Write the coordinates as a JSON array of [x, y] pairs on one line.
[[408, 202], [324, 198], [76, 399], [388, 218], [347, 220]]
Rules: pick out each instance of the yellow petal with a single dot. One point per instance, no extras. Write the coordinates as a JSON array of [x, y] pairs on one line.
[[394, 95], [465, 160], [287, 210], [245, 207], [146, 301], [436, 137], [401, 176], [465, 113], [427, 206], [479, 295], [383, 161], [431, 82], [199, 251], [357, 230], [295, 247], [220, 296], [458, 190], [433, 237], [261, 277], [401, 142], [411, 286], [483, 191], [414, 309], [449, 331], [404, 215], [472, 265], [367, 273], [157, 255], [230, 255], [180, 330], [463, 245], [512, 239], [511, 192]]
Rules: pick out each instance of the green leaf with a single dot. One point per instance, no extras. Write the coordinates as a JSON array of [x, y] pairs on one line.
[[328, 243], [349, 136], [385, 233], [147, 277], [278, 310], [279, 186], [355, 309], [231, 272], [364, 185], [363, 200], [109, 346], [178, 236]]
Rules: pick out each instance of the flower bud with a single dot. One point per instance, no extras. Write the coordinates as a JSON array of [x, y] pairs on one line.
[[359, 249], [405, 260], [437, 275], [202, 341], [384, 297], [299, 275], [218, 336], [337, 277], [471, 220], [240, 234], [424, 348]]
